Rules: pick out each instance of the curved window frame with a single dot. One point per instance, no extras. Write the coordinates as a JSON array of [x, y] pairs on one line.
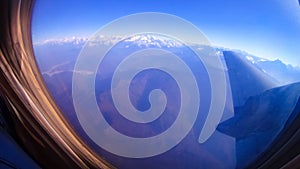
[[38, 120], [39, 124]]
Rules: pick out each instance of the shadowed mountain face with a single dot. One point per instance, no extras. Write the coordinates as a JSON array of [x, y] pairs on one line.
[[261, 110], [245, 78], [260, 120]]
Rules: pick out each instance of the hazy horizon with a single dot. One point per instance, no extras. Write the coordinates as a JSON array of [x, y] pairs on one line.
[[269, 28]]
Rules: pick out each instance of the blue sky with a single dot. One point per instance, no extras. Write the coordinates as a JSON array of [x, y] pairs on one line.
[[266, 28]]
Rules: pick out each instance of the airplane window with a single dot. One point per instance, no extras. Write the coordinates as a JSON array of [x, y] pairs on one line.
[[167, 84]]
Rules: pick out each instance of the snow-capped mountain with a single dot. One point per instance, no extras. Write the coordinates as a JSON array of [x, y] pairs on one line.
[[281, 72], [76, 41], [54, 56], [145, 40], [149, 40]]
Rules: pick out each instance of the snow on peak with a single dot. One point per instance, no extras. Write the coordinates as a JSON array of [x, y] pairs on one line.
[[61, 41], [142, 40], [147, 40], [251, 59]]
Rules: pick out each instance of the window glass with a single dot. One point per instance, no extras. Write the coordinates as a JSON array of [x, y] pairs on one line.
[[166, 84]]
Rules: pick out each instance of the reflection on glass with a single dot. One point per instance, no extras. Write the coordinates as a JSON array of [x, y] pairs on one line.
[[255, 42]]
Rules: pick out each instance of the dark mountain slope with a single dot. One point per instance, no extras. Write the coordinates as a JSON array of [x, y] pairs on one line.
[[246, 79], [257, 123]]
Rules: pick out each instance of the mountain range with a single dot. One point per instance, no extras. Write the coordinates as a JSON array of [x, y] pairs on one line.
[[265, 93]]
